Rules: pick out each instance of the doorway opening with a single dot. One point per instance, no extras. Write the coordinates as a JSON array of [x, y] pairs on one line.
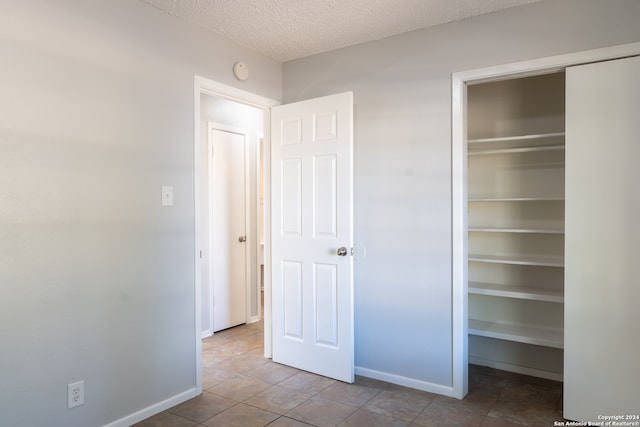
[[231, 221], [326, 143], [226, 115]]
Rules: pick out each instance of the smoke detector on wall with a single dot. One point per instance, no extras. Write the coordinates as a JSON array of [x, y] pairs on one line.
[[241, 71]]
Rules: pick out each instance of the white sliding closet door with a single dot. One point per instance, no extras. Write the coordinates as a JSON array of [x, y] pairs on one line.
[[602, 286]]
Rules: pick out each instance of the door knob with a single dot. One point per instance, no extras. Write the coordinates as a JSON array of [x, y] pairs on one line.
[[342, 251], [242, 239]]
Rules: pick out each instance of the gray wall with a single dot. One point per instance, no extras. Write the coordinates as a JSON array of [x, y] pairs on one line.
[[96, 279], [402, 95]]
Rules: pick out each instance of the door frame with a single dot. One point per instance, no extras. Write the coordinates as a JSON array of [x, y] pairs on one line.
[[215, 126], [204, 86], [459, 82]]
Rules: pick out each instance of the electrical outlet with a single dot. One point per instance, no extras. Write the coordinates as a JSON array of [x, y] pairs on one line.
[[75, 394]]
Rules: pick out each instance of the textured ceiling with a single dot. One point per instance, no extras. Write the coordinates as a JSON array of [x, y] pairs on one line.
[[290, 29]]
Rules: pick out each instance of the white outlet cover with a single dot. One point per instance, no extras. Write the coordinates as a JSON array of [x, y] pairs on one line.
[[75, 394]]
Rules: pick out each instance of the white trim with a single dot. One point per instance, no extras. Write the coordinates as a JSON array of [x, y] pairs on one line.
[[260, 218], [547, 65], [459, 291], [197, 250], [213, 88], [268, 347], [406, 382], [209, 87], [154, 409], [459, 82]]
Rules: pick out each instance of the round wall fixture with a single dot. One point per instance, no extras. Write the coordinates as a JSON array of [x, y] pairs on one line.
[[241, 71]]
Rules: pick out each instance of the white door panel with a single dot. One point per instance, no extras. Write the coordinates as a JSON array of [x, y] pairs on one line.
[[602, 208], [228, 225], [312, 286]]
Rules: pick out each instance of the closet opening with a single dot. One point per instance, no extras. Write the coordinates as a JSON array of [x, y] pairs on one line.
[[538, 275], [515, 207]]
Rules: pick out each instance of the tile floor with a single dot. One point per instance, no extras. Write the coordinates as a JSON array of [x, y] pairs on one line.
[[243, 389]]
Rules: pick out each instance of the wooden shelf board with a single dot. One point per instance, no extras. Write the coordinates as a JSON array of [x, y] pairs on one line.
[[545, 261], [515, 230], [517, 138], [527, 334], [520, 292]]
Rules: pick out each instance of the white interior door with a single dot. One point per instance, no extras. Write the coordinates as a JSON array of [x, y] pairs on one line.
[[601, 369], [228, 226], [312, 266]]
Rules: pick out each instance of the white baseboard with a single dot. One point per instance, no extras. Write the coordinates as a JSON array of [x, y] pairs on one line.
[[154, 409], [206, 333], [516, 369], [406, 382]]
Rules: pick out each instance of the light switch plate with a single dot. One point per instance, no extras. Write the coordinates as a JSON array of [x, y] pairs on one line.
[[167, 195]]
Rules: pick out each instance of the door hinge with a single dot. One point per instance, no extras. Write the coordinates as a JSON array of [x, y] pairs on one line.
[[200, 253]]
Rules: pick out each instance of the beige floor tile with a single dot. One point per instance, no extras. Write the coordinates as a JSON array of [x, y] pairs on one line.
[[439, 415], [202, 407], [211, 357], [212, 376], [400, 403], [220, 373], [240, 388], [500, 422], [272, 373], [364, 418], [241, 364], [349, 394], [277, 399], [307, 382], [479, 400], [373, 383], [287, 422], [242, 345], [242, 415], [166, 419], [321, 412], [528, 405]]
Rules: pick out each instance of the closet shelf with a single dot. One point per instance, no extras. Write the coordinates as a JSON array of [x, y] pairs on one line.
[[533, 137], [516, 230], [539, 260], [537, 335], [513, 150], [520, 292], [516, 199]]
